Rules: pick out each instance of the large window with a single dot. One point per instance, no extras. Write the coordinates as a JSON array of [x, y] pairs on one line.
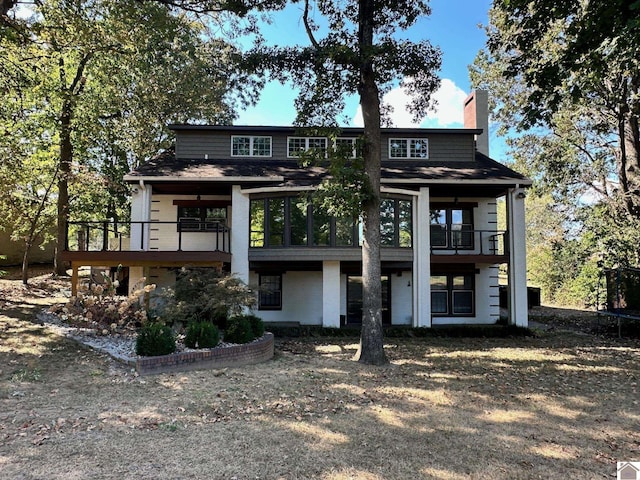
[[395, 223], [270, 292], [295, 222], [298, 145], [452, 294], [408, 148], [201, 219], [250, 146], [452, 227]]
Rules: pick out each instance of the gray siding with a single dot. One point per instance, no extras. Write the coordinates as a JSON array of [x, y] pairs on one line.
[[197, 144], [217, 145]]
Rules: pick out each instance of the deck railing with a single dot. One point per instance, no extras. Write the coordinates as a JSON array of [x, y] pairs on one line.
[[96, 236], [469, 242]]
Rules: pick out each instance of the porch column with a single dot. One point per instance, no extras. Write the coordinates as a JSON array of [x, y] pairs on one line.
[[517, 269], [421, 260], [240, 233], [331, 294], [140, 212]]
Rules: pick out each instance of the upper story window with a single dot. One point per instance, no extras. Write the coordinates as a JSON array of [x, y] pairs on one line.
[[408, 148], [250, 146], [451, 227], [349, 144], [201, 219], [298, 145], [395, 223], [294, 222]]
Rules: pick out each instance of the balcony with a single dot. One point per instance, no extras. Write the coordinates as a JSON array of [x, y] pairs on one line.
[[146, 243], [464, 245]]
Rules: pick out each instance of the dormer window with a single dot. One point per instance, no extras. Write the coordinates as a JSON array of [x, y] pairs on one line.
[[348, 144], [250, 146], [298, 145], [408, 148]]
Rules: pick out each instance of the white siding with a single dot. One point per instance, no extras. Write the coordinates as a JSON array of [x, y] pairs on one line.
[[164, 237], [301, 299]]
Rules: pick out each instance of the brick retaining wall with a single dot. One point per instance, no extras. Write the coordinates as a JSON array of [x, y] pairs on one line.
[[258, 351]]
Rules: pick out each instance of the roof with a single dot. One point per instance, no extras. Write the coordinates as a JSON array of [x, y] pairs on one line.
[[292, 130], [288, 172]]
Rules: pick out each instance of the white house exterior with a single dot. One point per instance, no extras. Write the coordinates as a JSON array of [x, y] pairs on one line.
[[236, 197]]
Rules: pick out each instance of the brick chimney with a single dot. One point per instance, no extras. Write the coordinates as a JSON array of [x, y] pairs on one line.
[[476, 115]]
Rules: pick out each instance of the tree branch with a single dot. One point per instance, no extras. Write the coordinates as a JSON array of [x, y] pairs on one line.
[[307, 26], [79, 80]]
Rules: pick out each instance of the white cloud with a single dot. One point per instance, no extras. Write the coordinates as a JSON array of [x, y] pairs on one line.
[[448, 111]]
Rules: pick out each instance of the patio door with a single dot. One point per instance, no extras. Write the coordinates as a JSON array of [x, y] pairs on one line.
[[354, 300]]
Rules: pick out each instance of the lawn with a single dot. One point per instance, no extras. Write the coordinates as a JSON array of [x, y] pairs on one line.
[[558, 405]]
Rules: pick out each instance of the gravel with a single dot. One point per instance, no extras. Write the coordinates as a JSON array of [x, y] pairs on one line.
[[120, 347]]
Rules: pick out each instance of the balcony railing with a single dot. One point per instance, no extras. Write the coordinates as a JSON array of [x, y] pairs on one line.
[[96, 236], [469, 242]]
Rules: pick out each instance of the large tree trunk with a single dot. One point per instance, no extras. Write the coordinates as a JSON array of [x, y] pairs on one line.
[[371, 349], [66, 156], [631, 164]]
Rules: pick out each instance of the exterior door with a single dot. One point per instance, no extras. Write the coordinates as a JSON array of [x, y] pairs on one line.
[[354, 300]]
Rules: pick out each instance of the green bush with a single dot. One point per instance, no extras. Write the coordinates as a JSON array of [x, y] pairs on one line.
[[257, 325], [219, 319], [155, 339], [238, 330], [202, 335]]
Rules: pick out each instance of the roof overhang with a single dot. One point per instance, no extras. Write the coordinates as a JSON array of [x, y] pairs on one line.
[[235, 179], [342, 130], [470, 181]]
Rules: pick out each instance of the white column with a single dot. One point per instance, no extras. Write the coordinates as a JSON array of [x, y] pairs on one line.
[[421, 260], [140, 212], [331, 294], [240, 233], [518, 313]]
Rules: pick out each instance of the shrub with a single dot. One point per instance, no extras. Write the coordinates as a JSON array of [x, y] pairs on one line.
[[257, 325], [155, 339], [238, 330], [201, 335], [205, 294], [219, 319], [98, 307]]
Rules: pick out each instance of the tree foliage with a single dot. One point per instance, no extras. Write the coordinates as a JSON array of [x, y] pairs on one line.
[[565, 82], [355, 48], [91, 87]]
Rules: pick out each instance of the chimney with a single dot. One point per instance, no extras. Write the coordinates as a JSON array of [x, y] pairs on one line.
[[476, 115]]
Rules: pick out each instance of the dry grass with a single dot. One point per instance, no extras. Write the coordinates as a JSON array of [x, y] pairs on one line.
[[561, 405]]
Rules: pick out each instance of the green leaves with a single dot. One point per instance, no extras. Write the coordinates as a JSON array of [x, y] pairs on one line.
[[92, 86], [565, 79], [328, 69]]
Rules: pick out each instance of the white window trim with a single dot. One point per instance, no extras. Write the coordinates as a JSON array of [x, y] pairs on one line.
[[251, 140], [306, 144], [408, 140]]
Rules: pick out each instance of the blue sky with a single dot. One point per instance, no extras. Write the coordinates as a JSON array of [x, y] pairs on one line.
[[453, 26]]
